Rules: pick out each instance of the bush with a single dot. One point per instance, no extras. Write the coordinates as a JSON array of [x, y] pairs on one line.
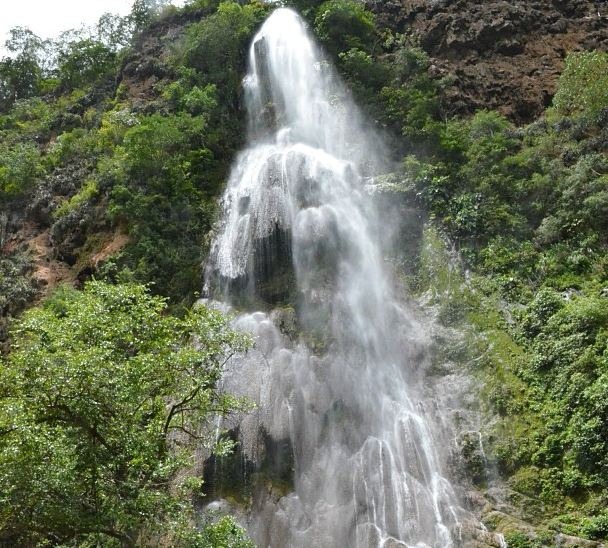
[[158, 175], [342, 25], [596, 527], [517, 539], [364, 74], [583, 85], [19, 167], [224, 533], [544, 305], [86, 194]]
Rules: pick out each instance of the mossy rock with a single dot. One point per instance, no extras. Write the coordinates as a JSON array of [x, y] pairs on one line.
[[527, 481], [472, 457]]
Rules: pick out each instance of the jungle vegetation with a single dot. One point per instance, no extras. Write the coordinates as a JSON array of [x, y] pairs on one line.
[[85, 451]]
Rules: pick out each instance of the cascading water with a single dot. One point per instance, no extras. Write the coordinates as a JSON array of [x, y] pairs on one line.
[[345, 395]]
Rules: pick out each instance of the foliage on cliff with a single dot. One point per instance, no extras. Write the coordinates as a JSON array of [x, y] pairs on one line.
[[103, 392], [526, 209], [151, 170]]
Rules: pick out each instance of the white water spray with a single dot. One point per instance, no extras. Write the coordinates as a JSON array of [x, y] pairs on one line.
[[345, 396]]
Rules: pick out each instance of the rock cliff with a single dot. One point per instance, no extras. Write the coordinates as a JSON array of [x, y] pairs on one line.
[[501, 55]]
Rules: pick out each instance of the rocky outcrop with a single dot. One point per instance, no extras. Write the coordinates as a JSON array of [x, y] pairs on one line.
[[147, 63], [56, 249], [503, 55]]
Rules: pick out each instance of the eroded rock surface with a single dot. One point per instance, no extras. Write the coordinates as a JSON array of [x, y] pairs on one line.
[[502, 55]]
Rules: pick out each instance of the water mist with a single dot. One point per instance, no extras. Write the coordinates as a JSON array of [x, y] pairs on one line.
[[342, 393]]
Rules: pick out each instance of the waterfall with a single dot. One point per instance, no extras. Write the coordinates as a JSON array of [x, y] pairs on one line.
[[340, 395]]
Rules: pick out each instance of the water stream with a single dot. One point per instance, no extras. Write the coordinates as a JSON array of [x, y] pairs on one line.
[[341, 397]]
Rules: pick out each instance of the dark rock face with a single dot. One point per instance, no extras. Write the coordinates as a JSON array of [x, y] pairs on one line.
[[503, 55]]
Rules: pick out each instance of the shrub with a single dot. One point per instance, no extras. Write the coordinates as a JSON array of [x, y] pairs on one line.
[[545, 303], [342, 25], [88, 191], [19, 168], [596, 527], [158, 174], [224, 533], [583, 85]]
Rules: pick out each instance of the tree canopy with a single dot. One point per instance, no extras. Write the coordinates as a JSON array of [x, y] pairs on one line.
[[100, 399]]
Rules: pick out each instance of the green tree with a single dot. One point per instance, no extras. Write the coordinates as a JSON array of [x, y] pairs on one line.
[[83, 61], [114, 31], [20, 74], [144, 12], [101, 398], [19, 79]]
